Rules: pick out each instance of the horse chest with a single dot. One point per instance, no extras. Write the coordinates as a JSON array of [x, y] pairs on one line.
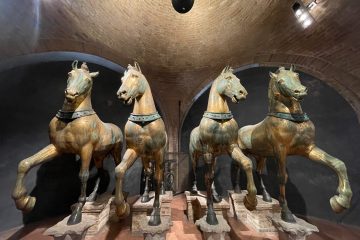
[[218, 133], [71, 136], [144, 139]]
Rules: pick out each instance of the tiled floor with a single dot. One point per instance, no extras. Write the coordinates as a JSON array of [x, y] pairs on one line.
[[182, 229]]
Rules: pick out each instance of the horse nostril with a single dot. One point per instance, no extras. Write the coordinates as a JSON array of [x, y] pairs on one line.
[[296, 91], [241, 92]]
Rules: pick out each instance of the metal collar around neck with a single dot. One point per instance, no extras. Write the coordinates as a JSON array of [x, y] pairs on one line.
[[218, 116], [66, 115], [294, 117]]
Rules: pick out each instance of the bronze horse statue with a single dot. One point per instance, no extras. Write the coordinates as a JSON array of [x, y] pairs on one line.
[[145, 137], [287, 130], [75, 129], [217, 134]]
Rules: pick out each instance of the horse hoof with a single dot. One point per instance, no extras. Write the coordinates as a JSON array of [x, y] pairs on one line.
[[75, 217], [155, 217], [211, 218], [250, 205], [145, 198], [194, 192], [237, 189], [287, 216], [336, 206], [266, 196], [123, 210], [217, 198], [25, 204]]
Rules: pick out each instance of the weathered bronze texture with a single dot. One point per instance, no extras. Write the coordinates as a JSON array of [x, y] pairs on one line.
[[288, 131], [218, 135], [78, 130], [144, 139]]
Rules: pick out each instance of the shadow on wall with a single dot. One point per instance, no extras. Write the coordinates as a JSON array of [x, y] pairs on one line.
[[29, 98], [310, 184]]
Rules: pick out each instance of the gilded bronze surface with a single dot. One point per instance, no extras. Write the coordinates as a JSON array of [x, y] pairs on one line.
[[146, 140], [214, 137], [288, 131], [86, 136]]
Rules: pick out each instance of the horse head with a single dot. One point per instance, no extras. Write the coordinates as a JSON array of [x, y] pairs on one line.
[[133, 84], [79, 82], [287, 84], [229, 85]]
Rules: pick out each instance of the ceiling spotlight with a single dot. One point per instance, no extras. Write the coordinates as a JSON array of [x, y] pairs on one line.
[[302, 14], [182, 6]]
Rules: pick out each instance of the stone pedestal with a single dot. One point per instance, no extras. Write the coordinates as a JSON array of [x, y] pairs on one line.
[[196, 206], [293, 231], [213, 232], [141, 212], [258, 218], [94, 216]]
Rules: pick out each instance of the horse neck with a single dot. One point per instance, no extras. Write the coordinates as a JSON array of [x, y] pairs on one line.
[[280, 103], [78, 106], [216, 103], [145, 103]]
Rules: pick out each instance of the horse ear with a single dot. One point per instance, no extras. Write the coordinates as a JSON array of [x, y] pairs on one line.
[[94, 74], [292, 68], [137, 66], [272, 75], [84, 66], [225, 69], [74, 64]]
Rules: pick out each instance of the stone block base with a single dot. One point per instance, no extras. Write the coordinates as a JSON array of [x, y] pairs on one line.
[[94, 216], [214, 232], [141, 211], [258, 218], [196, 206]]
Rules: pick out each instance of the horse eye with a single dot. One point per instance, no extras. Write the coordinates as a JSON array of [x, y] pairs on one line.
[[69, 74], [281, 81]]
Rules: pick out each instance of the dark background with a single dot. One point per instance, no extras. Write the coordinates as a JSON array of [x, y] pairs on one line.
[[310, 185]]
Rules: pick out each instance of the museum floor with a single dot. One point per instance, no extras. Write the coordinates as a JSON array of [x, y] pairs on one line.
[[182, 229]]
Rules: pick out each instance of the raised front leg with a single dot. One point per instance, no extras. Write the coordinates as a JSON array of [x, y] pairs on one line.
[[159, 173], [342, 201], [122, 207], [286, 214], [250, 201], [22, 200], [260, 164], [85, 155]]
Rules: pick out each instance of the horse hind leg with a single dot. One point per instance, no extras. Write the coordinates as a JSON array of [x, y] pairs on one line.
[[23, 201], [342, 201], [260, 165]]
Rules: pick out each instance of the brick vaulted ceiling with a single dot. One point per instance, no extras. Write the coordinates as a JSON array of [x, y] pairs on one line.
[[181, 53]]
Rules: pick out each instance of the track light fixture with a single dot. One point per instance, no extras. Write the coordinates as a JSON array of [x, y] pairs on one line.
[[302, 13], [182, 6]]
